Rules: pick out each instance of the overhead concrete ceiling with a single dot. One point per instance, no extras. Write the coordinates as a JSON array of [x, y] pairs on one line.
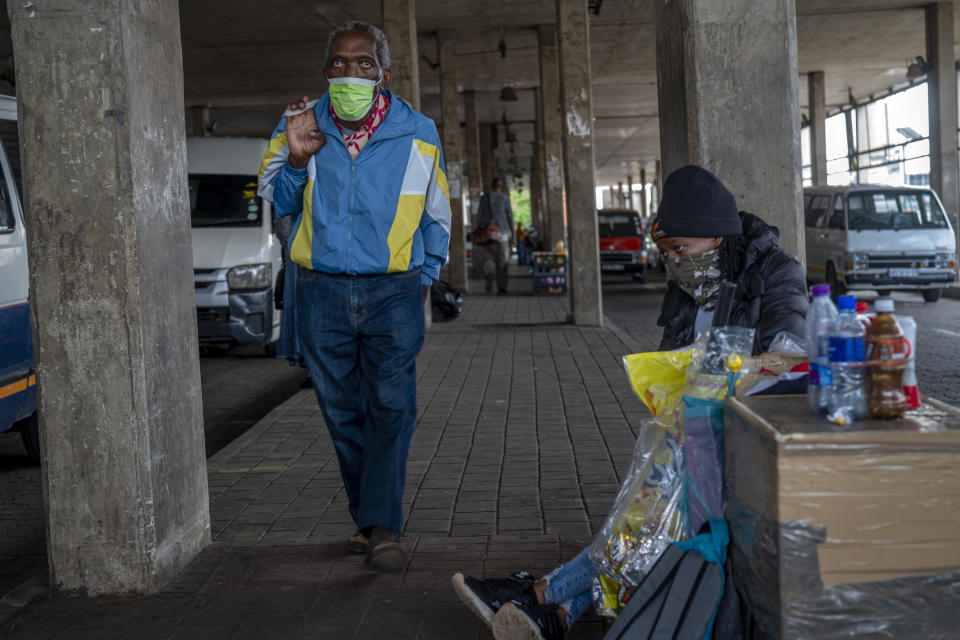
[[246, 59]]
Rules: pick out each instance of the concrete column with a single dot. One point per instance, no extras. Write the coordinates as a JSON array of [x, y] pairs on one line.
[[817, 97], [400, 27], [622, 199], [573, 31], [538, 176], [488, 164], [643, 193], [628, 201], [718, 97], [450, 106], [552, 134], [111, 275], [942, 104], [474, 172]]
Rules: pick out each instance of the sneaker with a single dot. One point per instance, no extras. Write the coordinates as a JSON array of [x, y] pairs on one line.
[[357, 542], [485, 597], [384, 551], [519, 621]]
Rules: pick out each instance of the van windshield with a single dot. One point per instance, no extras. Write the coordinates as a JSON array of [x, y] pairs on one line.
[[224, 201], [619, 225], [894, 210]]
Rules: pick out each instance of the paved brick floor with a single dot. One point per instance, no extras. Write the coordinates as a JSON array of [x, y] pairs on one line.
[[526, 428]]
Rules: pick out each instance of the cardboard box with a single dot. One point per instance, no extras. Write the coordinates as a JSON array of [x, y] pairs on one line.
[[816, 508]]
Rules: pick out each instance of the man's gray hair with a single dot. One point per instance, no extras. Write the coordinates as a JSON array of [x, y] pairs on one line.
[[383, 49]]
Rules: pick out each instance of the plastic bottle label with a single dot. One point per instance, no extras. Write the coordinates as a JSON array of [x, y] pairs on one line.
[[846, 349], [820, 375]]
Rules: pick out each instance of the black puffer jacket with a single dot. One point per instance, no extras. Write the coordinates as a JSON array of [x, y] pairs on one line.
[[771, 293]]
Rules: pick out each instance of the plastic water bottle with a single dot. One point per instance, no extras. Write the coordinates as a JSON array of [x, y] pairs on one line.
[[910, 371], [847, 400], [820, 319], [863, 314]]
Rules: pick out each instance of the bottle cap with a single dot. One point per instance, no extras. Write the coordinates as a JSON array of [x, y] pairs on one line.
[[821, 290], [846, 303], [862, 307], [883, 306]]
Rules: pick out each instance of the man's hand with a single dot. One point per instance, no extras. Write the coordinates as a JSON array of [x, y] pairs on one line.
[[303, 137], [426, 293]]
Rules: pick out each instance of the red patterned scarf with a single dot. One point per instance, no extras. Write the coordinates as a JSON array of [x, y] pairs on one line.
[[356, 140]]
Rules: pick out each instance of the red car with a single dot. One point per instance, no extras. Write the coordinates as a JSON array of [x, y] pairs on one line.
[[622, 246]]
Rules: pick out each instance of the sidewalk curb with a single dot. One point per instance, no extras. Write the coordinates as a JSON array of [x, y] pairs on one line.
[[952, 292], [632, 344]]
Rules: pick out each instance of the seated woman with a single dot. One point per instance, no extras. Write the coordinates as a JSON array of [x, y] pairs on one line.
[[705, 241]]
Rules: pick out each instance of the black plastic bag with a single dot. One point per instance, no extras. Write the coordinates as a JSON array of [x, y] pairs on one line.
[[446, 302]]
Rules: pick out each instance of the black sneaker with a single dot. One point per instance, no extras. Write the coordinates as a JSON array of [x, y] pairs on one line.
[[485, 597], [384, 551], [520, 621]]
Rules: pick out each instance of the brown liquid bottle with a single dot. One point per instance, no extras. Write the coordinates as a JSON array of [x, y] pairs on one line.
[[886, 353]]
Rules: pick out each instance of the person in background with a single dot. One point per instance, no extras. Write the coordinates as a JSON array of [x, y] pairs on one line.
[[705, 240], [521, 246], [363, 175], [495, 209]]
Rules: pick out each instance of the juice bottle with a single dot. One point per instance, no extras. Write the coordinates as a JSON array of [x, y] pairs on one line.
[[886, 355]]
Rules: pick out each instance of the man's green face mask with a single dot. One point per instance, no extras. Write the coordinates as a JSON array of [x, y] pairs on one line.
[[351, 97]]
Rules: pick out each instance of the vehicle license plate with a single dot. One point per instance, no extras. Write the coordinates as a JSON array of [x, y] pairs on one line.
[[611, 267], [904, 273]]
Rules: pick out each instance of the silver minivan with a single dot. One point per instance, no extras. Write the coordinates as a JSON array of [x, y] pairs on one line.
[[880, 238]]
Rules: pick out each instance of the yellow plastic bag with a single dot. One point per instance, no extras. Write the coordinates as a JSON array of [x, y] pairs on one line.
[[658, 377]]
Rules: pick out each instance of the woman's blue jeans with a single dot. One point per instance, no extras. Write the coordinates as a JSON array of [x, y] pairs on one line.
[[570, 585], [360, 336]]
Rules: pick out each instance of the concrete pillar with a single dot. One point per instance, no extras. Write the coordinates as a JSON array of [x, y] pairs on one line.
[[538, 175], [620, 197], [657, 188], [474, 172], [817, 97], [643, 193], [573, 31], [488, 163], [718, 97], [942, 104], [111, 275], [400, 27], [552, 134], [450, 107]]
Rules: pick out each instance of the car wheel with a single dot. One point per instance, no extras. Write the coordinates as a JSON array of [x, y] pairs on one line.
[[931, 295], [640, 277], [270, 349], [883, 293], [837, 288], [30, 434]]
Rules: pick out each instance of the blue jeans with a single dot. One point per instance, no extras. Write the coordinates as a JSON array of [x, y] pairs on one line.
[[570, 585], [360, 336]]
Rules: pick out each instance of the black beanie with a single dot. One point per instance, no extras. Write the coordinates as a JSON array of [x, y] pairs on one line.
[[695, 204]]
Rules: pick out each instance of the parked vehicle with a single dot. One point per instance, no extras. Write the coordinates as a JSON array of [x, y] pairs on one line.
[[18, 382], [622, 243], [236, 257], [881, 238]]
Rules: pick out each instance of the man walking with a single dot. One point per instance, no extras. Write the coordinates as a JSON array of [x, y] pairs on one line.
[[495, 209], [363, 176]]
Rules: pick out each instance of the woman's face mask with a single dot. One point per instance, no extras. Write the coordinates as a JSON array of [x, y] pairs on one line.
[[352, 97], [698, 275]]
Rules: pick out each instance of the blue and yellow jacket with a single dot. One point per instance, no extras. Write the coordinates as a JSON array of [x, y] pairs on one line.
[[388, 211]]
